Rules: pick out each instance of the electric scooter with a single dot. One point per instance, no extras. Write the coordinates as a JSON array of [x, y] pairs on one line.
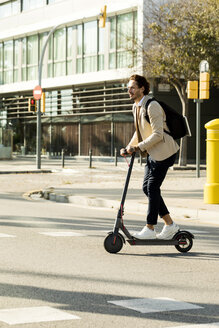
[[113, 243]]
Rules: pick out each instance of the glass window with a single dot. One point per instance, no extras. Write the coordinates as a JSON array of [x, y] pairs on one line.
[[8, 62], [79, 49], [15, 7], [123, 29], [16, 60], [5, 9], [32, 4], [66, 101], [1, 63], [43, 38], [51, 107], [101, 49], [59, 52], [32, 57], [9, 8], [50, 57], [90, 46], [124, 39], [135, 37], [70, 50], [24, 60], [112, 54], [113, 33]]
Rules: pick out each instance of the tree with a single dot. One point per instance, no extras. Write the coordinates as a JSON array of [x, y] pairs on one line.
[[178, 35]]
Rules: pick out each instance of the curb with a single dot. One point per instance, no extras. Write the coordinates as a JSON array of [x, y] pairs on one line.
[[181, 213], [26, 171]]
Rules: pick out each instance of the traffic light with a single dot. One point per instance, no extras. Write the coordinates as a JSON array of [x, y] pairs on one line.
[[204, 85], [102, 17], [192, 89], [32, 105]]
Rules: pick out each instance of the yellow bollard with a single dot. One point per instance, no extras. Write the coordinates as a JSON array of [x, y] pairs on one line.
[[211, 190]]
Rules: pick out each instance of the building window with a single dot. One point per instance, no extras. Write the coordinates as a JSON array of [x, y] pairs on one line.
[[51, 103], [70, 49], [65, 101], [75, 49], [101, 49], [42, 40], [59, 51], [90, 42], [8, 62], [16, 60], [1, 63], [112, 53], [9, 8], [32, 4], [32, 57], [90, 47], [24, 59], [50, 57], [123, 29], [79, 42], [124, 40]]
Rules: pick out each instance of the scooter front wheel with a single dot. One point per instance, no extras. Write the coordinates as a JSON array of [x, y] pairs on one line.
[[185, 242], [112, 243]]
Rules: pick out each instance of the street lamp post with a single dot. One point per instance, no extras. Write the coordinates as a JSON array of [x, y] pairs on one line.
[[203, 94], [38, 147], [198, 99]]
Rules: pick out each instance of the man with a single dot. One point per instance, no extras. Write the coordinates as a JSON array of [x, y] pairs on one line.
[[161, 151]]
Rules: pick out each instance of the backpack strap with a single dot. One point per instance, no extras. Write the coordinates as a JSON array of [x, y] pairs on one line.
[[146, 107], [147, 117]]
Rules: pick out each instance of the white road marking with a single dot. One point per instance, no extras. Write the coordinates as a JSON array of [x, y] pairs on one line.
[[4, 235], [34, 314], [62, 234], [199, 231], [149, 305]]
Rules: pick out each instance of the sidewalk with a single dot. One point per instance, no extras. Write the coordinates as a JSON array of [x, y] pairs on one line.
[[102, 186]]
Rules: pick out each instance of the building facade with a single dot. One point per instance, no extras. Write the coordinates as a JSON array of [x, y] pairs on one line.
[[84, 74]]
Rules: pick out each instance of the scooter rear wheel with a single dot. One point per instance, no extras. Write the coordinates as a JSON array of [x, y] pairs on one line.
[[113, 244], [185, 242]]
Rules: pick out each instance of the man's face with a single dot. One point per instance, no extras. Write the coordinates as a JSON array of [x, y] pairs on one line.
[[134, 91]]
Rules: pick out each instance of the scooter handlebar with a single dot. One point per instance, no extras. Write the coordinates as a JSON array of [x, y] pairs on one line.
[[125, 153]]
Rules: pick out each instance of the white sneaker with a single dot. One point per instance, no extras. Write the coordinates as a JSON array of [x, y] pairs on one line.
[[145, 233], [168, 231]]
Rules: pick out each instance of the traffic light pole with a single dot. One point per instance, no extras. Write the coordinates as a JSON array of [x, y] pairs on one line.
[[38, 145], [198, 124]]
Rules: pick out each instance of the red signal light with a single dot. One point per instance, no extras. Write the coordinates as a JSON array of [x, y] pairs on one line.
[[32, 105]]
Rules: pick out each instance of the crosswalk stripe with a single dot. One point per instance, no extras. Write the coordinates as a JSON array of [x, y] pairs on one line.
[[62, 234], [34, 314], [149, 305], [5, 235]]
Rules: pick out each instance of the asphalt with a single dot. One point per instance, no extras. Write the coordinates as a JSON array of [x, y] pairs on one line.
[[100, 184]]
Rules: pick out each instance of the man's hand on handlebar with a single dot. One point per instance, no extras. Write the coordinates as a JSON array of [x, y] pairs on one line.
[[128, 151], [123, 152]]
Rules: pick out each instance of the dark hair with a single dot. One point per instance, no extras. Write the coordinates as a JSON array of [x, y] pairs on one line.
[[142, 82]]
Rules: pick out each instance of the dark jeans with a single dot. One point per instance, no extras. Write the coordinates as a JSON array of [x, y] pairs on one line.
[[155, 172]]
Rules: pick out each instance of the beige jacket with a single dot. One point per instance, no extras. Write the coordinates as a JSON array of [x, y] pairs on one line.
[[158, 144]]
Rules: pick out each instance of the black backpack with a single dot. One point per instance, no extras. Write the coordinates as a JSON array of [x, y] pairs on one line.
[[177, 123]]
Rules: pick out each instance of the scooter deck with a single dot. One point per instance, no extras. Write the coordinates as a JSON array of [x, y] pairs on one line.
[[140, 242]]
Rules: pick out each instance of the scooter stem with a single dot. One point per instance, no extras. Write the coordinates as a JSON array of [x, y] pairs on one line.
[[127, 180]]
